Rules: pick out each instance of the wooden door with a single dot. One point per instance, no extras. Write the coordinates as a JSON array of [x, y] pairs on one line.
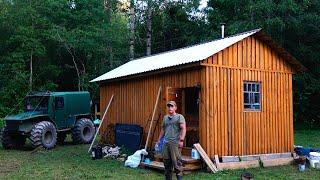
[[175, 94]]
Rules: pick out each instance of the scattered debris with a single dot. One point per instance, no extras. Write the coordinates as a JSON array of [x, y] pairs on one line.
[[110, 151], [311, 154]]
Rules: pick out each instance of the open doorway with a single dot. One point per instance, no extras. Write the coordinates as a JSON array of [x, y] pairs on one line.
[[187, 100]]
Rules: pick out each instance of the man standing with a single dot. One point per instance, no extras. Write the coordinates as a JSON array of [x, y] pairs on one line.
[[174, 131]]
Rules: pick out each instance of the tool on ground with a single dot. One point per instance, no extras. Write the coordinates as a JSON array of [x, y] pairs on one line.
[[102, 120]]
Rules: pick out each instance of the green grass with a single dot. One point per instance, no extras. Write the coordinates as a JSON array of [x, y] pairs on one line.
[[73, 162]]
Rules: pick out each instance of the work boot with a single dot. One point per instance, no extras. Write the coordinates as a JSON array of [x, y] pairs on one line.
[[179, 177], [168, 176]]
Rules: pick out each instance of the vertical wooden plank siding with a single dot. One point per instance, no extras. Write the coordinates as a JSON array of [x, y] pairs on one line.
[[225, 128], [134, 99], [240, 132]]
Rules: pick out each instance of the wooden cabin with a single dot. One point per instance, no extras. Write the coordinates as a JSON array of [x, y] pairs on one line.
[[235, 93]]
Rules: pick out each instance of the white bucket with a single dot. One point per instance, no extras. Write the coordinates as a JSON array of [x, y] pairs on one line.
[[195, 154]]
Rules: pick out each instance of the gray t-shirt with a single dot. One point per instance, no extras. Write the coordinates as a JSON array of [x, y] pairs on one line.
[[171, 127]]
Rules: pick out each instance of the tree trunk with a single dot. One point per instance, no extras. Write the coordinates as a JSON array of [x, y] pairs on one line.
[[149, 27], [132, 29], [31, 71], [73, 60]]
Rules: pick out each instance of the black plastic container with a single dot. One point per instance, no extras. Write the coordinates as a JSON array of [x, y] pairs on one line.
[[129, 136], [96, 152]]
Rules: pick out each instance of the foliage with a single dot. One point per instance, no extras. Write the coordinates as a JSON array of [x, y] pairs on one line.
[[67, 46], [70, 46], [2, 123]]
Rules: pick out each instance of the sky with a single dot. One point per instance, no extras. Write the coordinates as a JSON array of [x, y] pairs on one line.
[[203, 4]]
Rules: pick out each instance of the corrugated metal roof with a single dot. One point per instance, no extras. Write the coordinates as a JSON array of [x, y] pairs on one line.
[[173, 58]]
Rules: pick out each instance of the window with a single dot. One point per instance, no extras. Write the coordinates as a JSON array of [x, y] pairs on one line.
[[252, 95], [59, 103]]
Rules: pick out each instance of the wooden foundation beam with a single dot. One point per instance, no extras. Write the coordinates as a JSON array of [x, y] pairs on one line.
[[276, 162]]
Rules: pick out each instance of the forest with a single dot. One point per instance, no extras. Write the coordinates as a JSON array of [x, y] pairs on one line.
[[60, 45]]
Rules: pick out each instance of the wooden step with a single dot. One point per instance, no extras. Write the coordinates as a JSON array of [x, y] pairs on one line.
[[189, 164], [185, 159]]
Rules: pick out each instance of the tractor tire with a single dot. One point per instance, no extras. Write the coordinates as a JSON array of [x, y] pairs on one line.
[[44, 134], [83, 131], [12, 141], [61, 138]]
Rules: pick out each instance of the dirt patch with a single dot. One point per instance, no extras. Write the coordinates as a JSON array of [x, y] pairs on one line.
[[8, 167]]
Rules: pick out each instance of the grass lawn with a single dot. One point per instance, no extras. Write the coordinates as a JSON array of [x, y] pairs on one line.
[[73, 162]]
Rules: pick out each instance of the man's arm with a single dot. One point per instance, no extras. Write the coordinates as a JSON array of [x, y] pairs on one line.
[[162, 130], [182, 134], [183, 128]]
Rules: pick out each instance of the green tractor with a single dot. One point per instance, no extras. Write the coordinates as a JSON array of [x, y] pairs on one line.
[[48, 118]]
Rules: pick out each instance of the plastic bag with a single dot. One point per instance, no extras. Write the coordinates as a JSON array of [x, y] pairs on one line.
[[134, 160], [158, 147]]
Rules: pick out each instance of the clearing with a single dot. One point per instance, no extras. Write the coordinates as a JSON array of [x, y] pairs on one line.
[[73, 162]]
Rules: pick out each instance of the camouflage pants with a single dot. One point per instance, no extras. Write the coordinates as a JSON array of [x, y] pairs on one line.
[[172, 160]]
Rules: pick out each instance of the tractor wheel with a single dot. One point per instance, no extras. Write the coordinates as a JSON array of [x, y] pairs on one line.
[[44, 134], [12, 141], [61, 137], [83, 131]]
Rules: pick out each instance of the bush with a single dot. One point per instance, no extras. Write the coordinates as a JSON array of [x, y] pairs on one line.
[[1, 123]]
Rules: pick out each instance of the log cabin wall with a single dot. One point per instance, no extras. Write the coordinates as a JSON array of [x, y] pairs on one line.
[[134, 99], [229, 128], [225, 128]]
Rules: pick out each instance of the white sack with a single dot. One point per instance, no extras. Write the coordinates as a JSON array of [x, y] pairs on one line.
[[134, 160]]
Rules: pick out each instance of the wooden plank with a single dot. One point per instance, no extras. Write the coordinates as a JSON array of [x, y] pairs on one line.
[[249, 157], [205, 157], [152, 119], [275, 156], [211, 123], [239, 165], [160, 166], [102, 120], [230, 159], [214, 103], [277, 162]]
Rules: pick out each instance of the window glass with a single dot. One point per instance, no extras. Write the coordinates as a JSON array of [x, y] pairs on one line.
[[59, 102], [252, 96]]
